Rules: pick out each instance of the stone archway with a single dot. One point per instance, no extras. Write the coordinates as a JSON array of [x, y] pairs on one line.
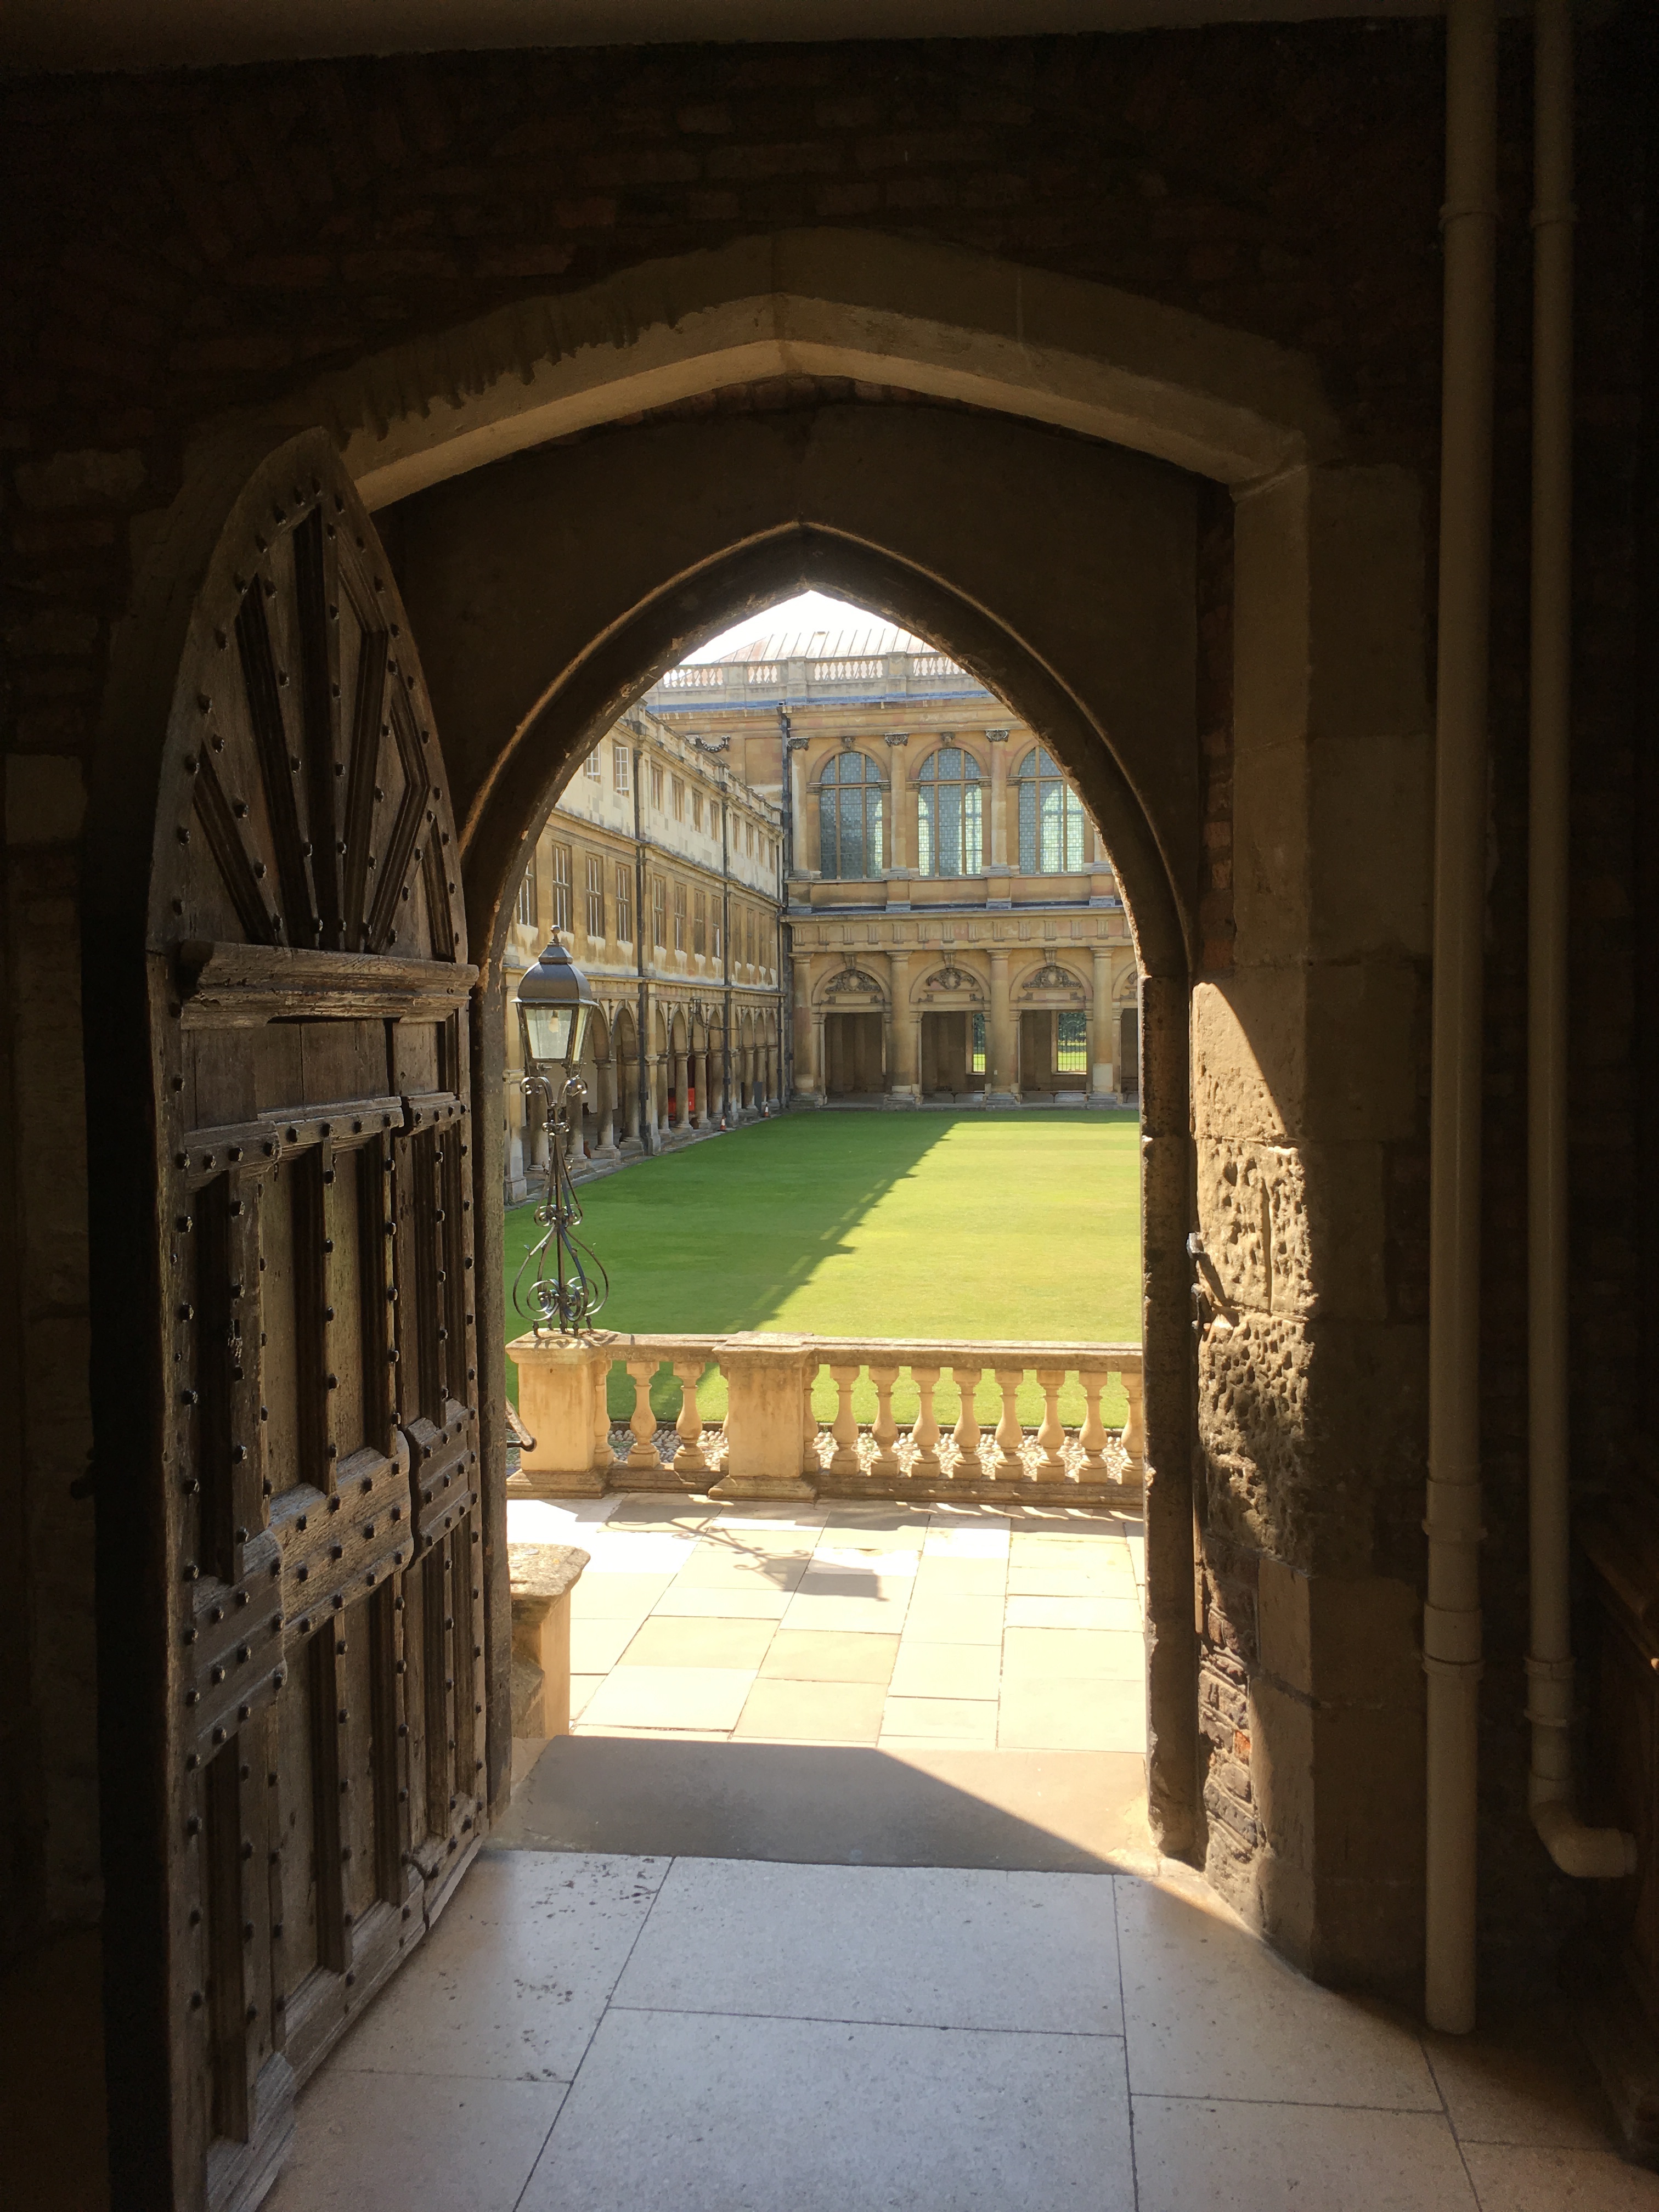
[[1298, 1055]]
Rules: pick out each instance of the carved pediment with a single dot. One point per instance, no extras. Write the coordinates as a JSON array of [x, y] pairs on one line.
[[851, 979], [952, 978], [1052, 980]]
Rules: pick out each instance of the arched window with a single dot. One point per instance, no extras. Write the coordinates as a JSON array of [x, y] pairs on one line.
[[849, 818], [1050, 818], [950, 814]]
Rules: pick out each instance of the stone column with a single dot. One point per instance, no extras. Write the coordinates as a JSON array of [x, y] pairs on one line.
[[903, 1033], [1100, 1029], [682, 1092], [700, 1082], [606, 1105], [806, 1065], [652, 1100], [996, 842], [1001, 1039], [630, 1100], [896, 858]]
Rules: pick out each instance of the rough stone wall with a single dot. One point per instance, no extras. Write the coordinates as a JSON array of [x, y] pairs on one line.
[[178, 245]]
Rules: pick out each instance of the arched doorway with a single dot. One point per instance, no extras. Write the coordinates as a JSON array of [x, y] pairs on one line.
[[945, 521]]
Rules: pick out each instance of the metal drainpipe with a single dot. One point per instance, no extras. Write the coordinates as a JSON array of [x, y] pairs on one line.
[[1576, 1849], [1451, 1615]]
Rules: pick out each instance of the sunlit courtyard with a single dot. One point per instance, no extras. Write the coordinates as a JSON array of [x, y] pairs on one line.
[[994, 1226]]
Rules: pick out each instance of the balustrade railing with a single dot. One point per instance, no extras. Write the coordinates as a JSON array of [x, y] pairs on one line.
[[757, 1415]]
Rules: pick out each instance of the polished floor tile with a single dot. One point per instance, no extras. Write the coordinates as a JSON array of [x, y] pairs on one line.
[[582, 1688], [696, 2113], [961, 1579], [1078, 1581], [954, 1621], [941, 1720], [1191, 1973], [1111, 1612], [669, 1697], [946, 1670], [726, 1601], [694, 1640], [1197, 2155], [1524, 2078], [709, 1569], [878, 1616], [598, 1640], [943, 1946], [784, 1712], [511, 1980], [390, 2142], [1066, 1713], [818, 1654], [1080, 1653], [598, 1596], [613, 1550], [1514, 2177]]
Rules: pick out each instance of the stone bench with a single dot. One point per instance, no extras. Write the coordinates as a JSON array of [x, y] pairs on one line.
[[542, 1578]]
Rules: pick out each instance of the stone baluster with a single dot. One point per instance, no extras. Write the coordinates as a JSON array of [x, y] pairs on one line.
[[885, 1431], [1010, 1468], [1094, 1436], [845, 1427], [604, 1458], [1051, 1437], [965, 1435], [1134, 1431], [810, 1467], [689, 1461], [642, 1421], [924, 1436]]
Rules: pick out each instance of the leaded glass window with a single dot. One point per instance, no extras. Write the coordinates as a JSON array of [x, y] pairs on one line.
[[1050, 818], [950, 814], [849, 818]]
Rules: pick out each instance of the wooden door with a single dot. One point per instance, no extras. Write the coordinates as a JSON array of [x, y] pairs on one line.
[[318, 1505]]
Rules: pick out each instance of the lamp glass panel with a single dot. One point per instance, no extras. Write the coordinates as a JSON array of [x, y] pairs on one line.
[[549, 1030]]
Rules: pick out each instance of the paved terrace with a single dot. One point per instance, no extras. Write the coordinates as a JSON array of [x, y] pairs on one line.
[[841, 1896]]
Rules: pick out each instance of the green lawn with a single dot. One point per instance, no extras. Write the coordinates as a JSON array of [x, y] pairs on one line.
[[924, 1225]]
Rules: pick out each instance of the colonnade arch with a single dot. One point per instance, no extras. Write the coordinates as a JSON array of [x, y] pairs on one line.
[[1292, 1069]]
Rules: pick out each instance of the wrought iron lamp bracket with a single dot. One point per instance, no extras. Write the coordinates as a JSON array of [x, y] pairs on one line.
[[567, 1285]]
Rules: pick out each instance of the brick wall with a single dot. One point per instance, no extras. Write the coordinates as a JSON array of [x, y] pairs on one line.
[[177, 245]]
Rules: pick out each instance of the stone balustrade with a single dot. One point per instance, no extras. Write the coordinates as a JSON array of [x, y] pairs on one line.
[[806, 1416]]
